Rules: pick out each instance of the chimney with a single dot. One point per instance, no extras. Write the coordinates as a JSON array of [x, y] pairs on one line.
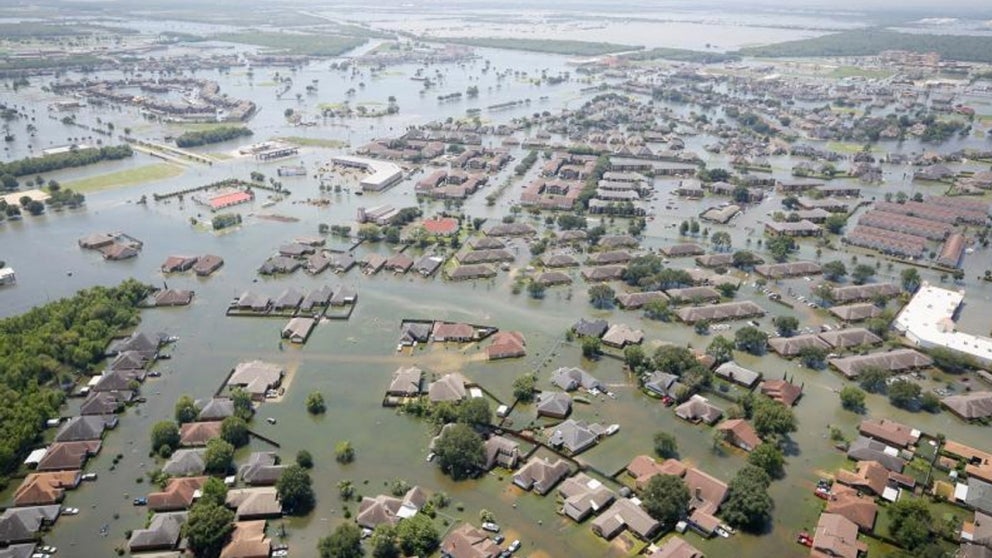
[[699, 493]]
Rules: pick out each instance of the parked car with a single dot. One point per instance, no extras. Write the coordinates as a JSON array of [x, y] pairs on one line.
[[490, 526], [514, 546], [141, 501]]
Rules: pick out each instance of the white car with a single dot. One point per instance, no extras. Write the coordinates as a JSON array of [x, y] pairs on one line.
[[491, 527], [70, 511]]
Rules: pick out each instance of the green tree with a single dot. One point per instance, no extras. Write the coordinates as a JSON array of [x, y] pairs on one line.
[[591, 346], [207, 527], [186, 410], [344, 452], [929, 402], [418, 536], [727, 290], [751, 339], [535, 289], [665, 445], [721, 241], [344, 542], [304, 459], [836, 223], [523, 388], [779, 247], [165, 434], [636, 359], [213, 491], [234, 430], [910, 279], [873, 379], [666, 498], [910, 522], [242, 404], [812, 356], [786, 325], [772, 418], [852, 399], [835, 270], [951, 361], [460, 452], [721, 349], [701, 327], [748, 505], [903, 393], [658, 309], [601, 296], [295, 491], [475, 411], [862, 273], [769, 458], [745, 259], [315, 403], [219, 456], [384, 541]]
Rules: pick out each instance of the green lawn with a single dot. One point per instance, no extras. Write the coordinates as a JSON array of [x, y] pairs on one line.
[[129, 177]]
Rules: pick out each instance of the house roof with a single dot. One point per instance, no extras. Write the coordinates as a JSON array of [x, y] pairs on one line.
[[467, 541], [262, 468], [850, 337], [575, 436], [541, 475], [105, 402], [620, 335], [847, 502], [583, 495], [21, 524], [68, 455], [178, 494], [248, 540], [554, 404], [742, 432], [590, 328], [185, 462], [254, 503], [217, 408], [644, 467], [867, 475], [406, 381], [782, 391], [790, 346], [625, 513], [162, 533], [894, 361], [256, 376], [973, 405], [572, 378], [706, 492], [866, 449], [450, 387], [507, 344], [676, 547], [39, 489], [198, 433], [889, 431], [738, 374], [837, 536], [699, 408], [89, 427]]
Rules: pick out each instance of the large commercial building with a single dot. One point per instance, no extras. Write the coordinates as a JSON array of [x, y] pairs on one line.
[[382, 174], [928, 321]]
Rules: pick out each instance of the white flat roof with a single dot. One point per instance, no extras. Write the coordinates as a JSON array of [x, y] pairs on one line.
[[35, 456], [928, 319], [381, 171]]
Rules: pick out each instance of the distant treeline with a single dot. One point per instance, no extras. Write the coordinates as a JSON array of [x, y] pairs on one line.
[[72, 158], [581, 48], [50, 346], [682, 55], [213, 135], [866, 42]]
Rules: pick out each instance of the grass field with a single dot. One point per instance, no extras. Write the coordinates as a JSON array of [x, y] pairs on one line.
[[129, 177], [296, 43], [313, 142]]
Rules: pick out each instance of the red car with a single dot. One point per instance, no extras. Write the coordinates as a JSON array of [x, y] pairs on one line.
[[804, 539], [822, 493]]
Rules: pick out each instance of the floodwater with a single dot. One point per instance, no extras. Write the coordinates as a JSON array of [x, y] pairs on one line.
[[351, 362]]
